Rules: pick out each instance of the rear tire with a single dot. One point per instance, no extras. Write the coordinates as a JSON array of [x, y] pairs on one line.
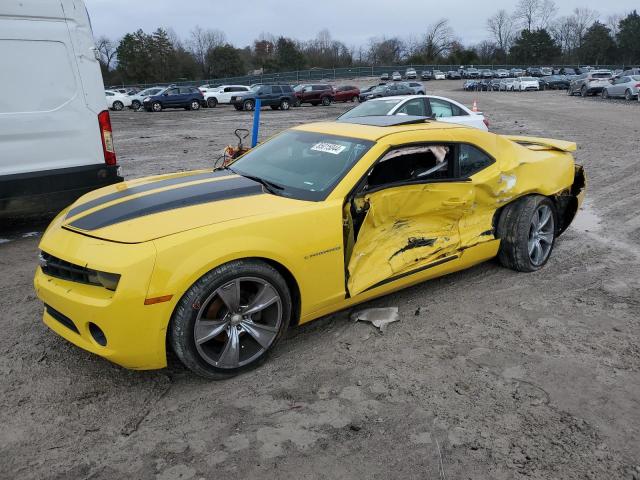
[[354, 99], [216, 311], [527, 230], [326, 101], [117, 105], [628, 96], [212, 102], [194, 105], [156, 106], [605, 94], [584, 92], [135, 105]]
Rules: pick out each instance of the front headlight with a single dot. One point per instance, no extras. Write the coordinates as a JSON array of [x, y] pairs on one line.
[[107, 280]]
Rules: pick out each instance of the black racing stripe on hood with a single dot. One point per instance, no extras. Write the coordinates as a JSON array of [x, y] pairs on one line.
[[168, 200], [127, 192]]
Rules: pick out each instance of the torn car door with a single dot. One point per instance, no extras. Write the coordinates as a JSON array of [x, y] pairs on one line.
[[406, 228]]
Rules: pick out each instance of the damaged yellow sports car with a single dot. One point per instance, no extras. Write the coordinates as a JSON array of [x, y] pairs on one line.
[[217, 264]]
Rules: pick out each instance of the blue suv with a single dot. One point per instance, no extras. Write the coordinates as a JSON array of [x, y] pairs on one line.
[[189, 98]]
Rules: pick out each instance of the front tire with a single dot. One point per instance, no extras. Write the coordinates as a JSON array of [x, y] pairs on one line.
[[135, 105], [605, 93], [194, 105], [230, 319], [354, 99], [249, 105], [628, 96], [584, 92], [527, 230], [285, 104], [117, 105], [212, 102]]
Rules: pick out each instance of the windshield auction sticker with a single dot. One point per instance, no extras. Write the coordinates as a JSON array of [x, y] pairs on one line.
[[328, 148]]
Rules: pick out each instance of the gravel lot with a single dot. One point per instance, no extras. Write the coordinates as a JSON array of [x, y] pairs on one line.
[[489, 374]]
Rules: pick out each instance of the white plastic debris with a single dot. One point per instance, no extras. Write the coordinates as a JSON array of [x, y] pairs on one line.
[[379, 317]]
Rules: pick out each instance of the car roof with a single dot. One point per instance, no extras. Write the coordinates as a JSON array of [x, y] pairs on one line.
[[372, 132], [408, 97]]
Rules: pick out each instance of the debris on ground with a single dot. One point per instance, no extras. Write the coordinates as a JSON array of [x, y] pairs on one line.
[[379, 317]]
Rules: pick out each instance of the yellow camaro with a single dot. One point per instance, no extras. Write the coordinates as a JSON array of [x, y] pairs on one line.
[[218, 264]]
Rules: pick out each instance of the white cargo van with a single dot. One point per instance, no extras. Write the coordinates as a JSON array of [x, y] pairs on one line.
[[55, 131]]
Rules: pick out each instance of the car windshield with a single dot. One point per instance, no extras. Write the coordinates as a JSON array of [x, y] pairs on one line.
[[373, 107], [302, 165], [601, 75]]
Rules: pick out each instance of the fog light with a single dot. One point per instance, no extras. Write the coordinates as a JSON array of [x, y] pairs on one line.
[[97, 334]]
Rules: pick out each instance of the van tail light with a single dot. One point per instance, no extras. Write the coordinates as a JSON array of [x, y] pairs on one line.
[[106, 135], [485, 121]]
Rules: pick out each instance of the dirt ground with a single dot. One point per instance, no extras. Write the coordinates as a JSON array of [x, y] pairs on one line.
[[490, 374]]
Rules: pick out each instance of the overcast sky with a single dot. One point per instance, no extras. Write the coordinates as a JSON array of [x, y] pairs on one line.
[[350, 21]]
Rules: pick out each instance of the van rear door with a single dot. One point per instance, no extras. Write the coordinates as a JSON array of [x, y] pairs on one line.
[[51, 144]]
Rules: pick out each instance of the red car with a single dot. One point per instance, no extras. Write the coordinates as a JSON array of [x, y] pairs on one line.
[[346, 93]]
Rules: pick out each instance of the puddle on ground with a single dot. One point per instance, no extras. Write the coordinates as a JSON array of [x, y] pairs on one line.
[[587, 220]]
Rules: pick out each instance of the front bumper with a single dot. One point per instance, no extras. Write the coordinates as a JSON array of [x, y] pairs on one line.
[[135, 333]]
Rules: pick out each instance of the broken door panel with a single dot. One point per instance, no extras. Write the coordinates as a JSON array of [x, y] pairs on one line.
[[405, 228]]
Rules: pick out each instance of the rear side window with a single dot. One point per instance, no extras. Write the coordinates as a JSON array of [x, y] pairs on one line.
[[414, 106], [35, 75], [471, 160], [276, 89], [287, 88], [441, 108]]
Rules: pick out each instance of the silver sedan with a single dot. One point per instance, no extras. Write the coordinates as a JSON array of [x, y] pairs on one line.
[[625, 86]]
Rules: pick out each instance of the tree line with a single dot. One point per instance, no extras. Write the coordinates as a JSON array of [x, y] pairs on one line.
[[530, 34]]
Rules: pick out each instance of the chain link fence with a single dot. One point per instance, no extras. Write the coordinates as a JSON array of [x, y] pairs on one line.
[[329, 74]]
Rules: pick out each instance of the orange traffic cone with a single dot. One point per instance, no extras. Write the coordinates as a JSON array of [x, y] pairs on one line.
[[475, 106]]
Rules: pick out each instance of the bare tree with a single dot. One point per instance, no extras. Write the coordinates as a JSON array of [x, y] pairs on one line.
[[582, 19], [546, 12], [613, 22], [386, 51], [527, 11], [107, 49], [201, 41], [501, 27], [437, 40], [534, 14]]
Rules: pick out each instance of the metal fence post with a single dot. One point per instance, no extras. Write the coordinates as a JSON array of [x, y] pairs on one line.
[[256, 122]]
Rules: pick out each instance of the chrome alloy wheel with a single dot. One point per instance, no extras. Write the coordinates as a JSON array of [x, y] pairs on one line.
[[238, 322], [541, 234]]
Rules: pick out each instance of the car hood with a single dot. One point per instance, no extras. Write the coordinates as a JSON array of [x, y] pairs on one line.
[[154, 207]]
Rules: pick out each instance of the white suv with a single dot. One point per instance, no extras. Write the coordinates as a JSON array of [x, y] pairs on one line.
[[522, 84], [222, 94]]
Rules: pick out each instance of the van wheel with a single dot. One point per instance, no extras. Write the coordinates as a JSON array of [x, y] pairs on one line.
[[195, 105], [135, 105], [527, 232], [284, 104], [230, 319], [156, 106], [249, 105], [212, 102], [117, 105]]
